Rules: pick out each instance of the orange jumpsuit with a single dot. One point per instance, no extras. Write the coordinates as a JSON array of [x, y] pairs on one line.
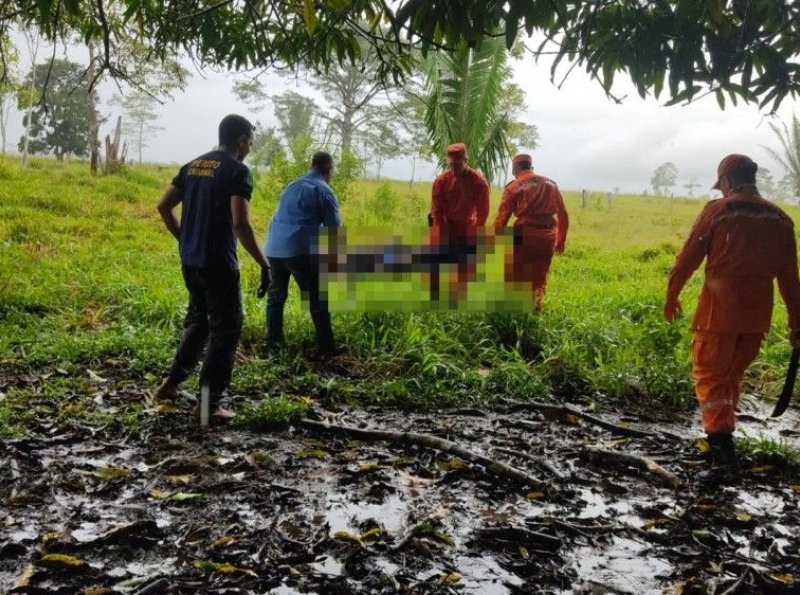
[[541, 225], [747, 242], [459, 205]]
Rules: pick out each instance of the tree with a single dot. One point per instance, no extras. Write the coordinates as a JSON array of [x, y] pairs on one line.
[[139, 117], [295, 114], [382, 140], [266, 145], [469, 101], [410, 114], [60, 123], [789, 157], [664, 178], [9, 86], [350, 92], [766, 184], [691, 185], [740, 48]]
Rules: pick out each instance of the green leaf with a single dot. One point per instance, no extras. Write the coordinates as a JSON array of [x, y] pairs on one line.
[[310, 15], [111, 472]]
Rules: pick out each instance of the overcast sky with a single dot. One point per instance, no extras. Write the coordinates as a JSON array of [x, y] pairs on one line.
[[586, 139]]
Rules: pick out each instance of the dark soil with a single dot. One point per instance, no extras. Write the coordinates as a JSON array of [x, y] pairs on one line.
[[170, 508]]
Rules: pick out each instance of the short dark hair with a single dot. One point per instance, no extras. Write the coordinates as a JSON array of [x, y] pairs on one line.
[[743, 175], [322, 162], [232, 127], [523, 165]]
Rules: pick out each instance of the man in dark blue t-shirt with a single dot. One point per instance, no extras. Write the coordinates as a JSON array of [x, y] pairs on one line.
[[214, 191]]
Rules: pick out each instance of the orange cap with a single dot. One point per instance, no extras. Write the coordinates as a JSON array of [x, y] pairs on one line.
[[457, 149], [521, 157], [734, 162]]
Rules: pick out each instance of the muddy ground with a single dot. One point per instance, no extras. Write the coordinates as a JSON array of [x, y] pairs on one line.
[[170, 508]]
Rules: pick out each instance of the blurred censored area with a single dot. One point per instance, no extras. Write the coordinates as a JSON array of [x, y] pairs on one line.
[[373, 269]]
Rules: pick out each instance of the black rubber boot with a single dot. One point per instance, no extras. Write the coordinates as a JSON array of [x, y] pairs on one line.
[[724, 464]]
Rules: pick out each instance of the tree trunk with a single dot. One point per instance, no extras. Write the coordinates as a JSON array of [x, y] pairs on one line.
[[29, 116], [94, 125], [141, 140], [413, 170], [347, 129]]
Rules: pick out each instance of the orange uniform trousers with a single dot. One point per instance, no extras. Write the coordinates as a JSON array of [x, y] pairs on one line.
[[528, 264], [718, 364]]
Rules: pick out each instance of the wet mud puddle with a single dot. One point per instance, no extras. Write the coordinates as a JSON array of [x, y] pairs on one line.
[[299, 511]]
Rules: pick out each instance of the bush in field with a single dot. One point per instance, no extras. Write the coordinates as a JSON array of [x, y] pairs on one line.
[[384, 203]]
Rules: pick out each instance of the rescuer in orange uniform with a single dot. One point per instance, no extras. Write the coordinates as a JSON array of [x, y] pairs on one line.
[[540, 229], [459, 206], [747, 242]]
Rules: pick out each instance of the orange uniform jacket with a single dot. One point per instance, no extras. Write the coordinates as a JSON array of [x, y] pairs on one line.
[[537, 204], [460, 203], [747, 242]]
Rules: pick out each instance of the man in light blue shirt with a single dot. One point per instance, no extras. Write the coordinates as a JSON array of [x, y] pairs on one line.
[[305, 205]]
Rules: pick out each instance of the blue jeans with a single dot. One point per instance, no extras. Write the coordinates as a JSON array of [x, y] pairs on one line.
[[305, 270]]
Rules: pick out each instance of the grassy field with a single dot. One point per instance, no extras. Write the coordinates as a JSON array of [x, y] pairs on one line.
[[89, 280]]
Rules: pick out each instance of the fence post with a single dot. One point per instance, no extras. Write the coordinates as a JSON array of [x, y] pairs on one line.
[[583, 198], [608, 198]]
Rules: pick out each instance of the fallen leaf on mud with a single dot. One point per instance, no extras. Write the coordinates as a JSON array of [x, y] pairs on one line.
[[311, 453], [534, 495], [186, 496], [451, 578], [455, 465], [25, 500], [682, 586], [692, 462], [259, 458], [370, 467], [403, 461], [99, 591], [706, 507], [184, 479], [571, 419], [95, 377], [702, 445], [111, 472], [373, 533], [760, 469], [523, 552], [786, 579], [796, 489], [175, 496], [164, 408], [349, 537], [650, 523], [426, 530], [221, 542], [24, 579], [743, 517], [61, 561], [221, 567], [620, 441], [313, 442]]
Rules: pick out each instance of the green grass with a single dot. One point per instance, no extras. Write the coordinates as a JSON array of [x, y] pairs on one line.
[[90, 279]]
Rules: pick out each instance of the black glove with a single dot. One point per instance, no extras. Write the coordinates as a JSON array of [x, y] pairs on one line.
[[266, 281]]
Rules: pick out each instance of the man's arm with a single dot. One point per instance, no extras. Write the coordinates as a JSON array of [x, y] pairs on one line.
[[330, 210], [562, 222], [240, 214], [482, 208], [687, 262], [166, 208], [437, 206], [507, 206]]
